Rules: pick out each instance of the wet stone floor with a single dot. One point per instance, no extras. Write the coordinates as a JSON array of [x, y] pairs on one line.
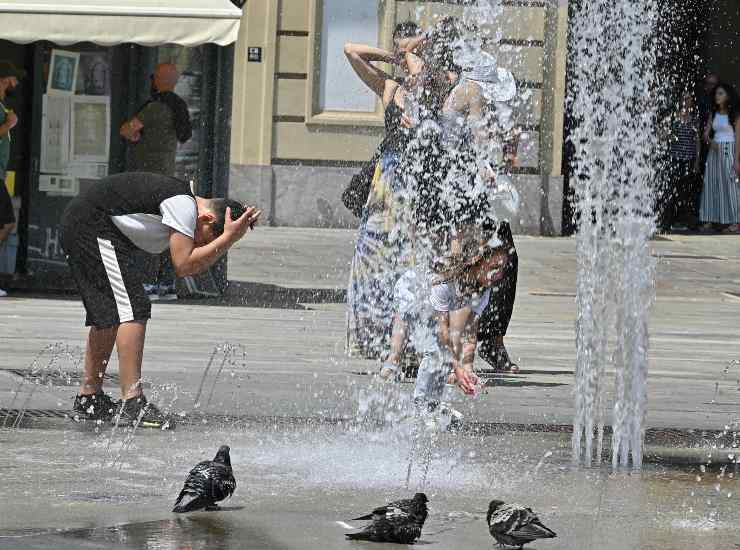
[[298, 487]]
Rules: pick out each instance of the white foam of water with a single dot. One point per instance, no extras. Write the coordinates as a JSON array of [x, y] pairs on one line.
[[616, 145]]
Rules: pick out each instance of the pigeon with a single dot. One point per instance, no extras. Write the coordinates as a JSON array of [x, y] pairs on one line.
[[399, 522], [209, 482], [514, 525]]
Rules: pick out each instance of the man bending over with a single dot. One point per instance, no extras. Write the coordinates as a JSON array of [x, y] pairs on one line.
[[101, 231]]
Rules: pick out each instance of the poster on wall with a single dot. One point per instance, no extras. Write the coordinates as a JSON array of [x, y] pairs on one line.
[[55, 134], [56, 185], [63, 72], [88, 170], [93, 74], [90, 124]]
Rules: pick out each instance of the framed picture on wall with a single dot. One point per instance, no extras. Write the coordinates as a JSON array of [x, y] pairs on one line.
[[93, 73], [90, 126], [63, 72]]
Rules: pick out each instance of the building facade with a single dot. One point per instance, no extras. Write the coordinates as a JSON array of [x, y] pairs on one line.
[[302, 123]]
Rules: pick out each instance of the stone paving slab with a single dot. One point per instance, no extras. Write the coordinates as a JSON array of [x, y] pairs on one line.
[[294, 362]]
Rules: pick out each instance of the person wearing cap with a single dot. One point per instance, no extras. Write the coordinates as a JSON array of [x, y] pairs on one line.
[[10, 77]]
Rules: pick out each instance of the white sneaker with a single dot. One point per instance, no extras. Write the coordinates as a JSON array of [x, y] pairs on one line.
[[3, 294]]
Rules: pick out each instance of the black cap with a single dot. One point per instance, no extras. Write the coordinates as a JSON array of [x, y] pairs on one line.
[[9, 69]]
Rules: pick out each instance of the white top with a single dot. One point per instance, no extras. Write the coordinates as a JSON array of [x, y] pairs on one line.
[[405, 292], [723, 131], [151, 232], [447, 297]]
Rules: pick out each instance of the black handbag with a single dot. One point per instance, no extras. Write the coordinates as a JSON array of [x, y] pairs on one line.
[[355, 194]]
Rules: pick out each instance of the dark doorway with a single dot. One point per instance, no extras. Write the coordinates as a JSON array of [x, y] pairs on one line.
[[688, 35], [719, 49]]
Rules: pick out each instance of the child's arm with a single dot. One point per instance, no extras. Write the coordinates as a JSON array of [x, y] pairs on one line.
[[463, 327]]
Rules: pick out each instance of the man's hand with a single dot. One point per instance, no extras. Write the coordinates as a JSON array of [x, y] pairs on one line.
[[737, 167], [236, 229], [11, 119], [467, 380], [131, 130]]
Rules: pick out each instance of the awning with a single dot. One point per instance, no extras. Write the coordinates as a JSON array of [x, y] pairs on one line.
[[110, 22]]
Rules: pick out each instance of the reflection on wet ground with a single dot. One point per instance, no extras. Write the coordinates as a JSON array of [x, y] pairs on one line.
[[78, 489]]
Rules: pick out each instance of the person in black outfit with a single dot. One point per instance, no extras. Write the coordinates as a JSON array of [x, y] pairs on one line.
[[153, 135], [102, 231], [684, 186]]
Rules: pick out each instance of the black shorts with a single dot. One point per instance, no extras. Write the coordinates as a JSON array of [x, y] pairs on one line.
[[103, 264], [7, 215]]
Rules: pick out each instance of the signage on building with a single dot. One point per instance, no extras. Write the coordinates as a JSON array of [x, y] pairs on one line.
[[254, 54]]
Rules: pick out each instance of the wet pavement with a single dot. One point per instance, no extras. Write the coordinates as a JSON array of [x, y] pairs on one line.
[[301, 467], [109, 489]]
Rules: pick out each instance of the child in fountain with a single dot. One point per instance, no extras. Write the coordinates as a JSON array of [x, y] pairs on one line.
[[102, 229], [460, 292]]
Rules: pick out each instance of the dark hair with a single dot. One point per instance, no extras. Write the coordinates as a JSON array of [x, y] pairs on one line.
[[732, 102], [219, 206], [405, 29]]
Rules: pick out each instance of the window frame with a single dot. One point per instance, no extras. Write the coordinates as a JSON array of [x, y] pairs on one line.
[[316, 116]]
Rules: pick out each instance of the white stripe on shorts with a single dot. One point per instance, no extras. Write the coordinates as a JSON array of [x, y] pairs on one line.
[[110, 261]]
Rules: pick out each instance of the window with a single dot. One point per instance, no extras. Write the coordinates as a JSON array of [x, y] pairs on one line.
[[345, 21], [335, 94]]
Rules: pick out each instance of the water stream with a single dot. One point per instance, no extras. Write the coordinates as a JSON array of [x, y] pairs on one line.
[[616, 146]]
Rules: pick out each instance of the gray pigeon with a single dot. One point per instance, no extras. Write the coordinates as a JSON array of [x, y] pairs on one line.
[[207, 483], [514, 525], [399, 522]]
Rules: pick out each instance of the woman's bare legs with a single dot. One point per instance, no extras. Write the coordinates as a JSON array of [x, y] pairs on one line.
[[398, 344]]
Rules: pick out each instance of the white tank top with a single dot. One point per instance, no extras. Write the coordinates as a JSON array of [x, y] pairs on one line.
[[723, 131]]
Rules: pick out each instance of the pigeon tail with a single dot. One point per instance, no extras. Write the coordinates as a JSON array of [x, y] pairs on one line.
[[195, 502], [362, 535], [363, 518]]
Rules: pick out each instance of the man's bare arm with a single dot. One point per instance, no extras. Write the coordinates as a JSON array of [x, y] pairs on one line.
[[191, 260]]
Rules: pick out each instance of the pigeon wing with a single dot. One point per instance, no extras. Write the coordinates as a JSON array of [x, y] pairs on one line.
[[378, 512], [223, 483], [533, 531], [197, 481], [502, 520], [405, 529]]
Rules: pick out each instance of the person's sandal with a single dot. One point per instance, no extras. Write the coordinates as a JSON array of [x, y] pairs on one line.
[[504, 362]]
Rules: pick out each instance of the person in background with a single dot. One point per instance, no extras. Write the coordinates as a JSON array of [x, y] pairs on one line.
[[706, 98], [685, 145], [719, 198], [153, 134], [704, 105], [10, 76], [376, 263]]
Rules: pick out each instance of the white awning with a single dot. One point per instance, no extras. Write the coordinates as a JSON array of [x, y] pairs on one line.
[[110, 22]]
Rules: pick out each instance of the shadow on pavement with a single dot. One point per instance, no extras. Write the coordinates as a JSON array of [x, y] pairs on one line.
[[249, 294]]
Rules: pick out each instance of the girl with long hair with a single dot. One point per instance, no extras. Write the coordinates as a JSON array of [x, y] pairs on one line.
[[719, 198]]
